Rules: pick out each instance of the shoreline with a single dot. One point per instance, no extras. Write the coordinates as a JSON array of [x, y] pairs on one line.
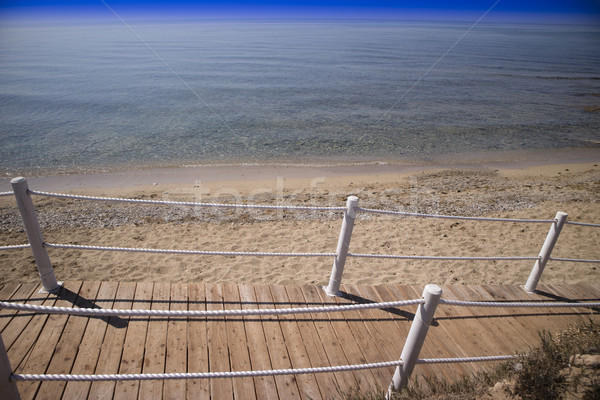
[[247, 176]]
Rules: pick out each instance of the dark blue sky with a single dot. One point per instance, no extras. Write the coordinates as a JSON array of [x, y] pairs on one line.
[[505, 9]]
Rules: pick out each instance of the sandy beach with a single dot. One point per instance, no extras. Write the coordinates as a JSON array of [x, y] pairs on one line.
[[531, 189]]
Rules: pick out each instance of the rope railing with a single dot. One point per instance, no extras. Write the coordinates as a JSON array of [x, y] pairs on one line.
[[574, 260], [277, 254], [410, 214], [290, 207], [290, 254], [246, 374], [508, 304], [189, 252], [108, 312], [201, 375], [452, 258], [188, 203], [6, 194], [15, 246], [417, 325], [465, 359], [582, 224]]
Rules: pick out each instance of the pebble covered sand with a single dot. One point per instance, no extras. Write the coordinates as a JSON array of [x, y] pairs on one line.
[[534, 193]]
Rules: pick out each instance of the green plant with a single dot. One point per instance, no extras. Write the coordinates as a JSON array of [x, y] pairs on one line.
[[540, 376]]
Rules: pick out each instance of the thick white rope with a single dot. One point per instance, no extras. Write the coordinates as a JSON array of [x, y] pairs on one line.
[[197, 252], [582, 224], [401, 257], [277, 311], [290, 207], [246, 374], [104, 312], [409, 214], [187, 203], [15, 246], [200, 375], [6, 193], [266, 254], [574, 260], [464, 359], [516, 304]]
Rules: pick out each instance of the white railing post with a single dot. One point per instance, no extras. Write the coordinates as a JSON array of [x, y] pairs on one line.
[[333, 289], [34, 233], [8, 387], [416, 337], [551, 238]]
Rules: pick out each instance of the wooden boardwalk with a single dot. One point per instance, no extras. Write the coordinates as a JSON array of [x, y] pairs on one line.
[[40, 343]]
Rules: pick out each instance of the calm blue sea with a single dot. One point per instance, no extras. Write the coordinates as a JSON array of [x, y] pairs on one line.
[[105, 95]]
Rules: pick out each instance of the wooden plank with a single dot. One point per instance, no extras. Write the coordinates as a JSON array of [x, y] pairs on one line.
[[40, 343], [112, 345], [464, 332], [446, 339], [499, 341], [392, 325], [590, 291], [197, 344], [91, 344], [239, 358], [556, 318], [397, 323], [332, 344], [218, 356], [565, 293], [533, 319], [70, 340], [287, 387], [18, 320], [21, 334], [506, 322], [7, 290], [369, 350], [156, 343], [6, 294], [438, 343], [315, 353], [177, 344], [29, 335], [587, 292], [441, 341], [503, 338], [307, 383], [576, 294], [257, 346], [43, 350], [382, 325], [472, 332], [547, 317], [135, 341]]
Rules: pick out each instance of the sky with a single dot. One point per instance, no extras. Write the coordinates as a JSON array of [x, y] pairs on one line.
[[588, 10]]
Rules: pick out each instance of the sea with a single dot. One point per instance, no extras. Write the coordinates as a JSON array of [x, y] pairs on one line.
[[97, 96]]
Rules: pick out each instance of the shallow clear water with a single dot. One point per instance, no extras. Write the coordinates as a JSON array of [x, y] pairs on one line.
[[103, 95]]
